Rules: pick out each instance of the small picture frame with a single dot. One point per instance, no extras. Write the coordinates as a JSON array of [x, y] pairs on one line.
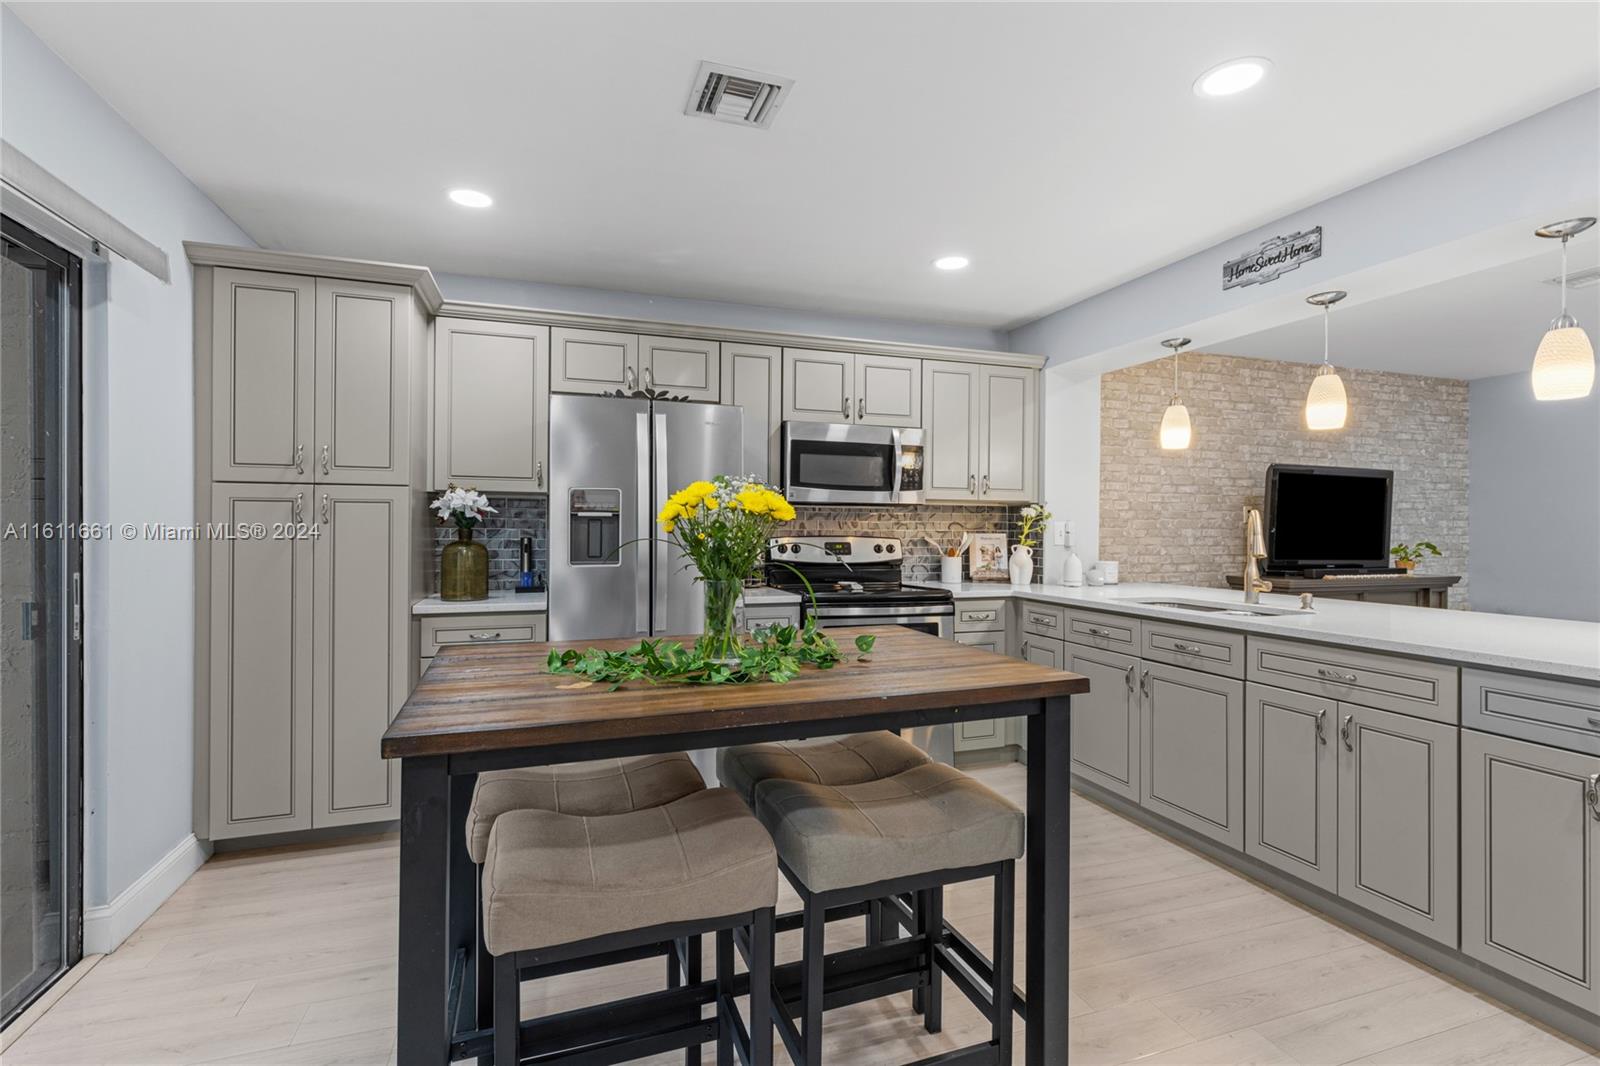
[[986, 557]]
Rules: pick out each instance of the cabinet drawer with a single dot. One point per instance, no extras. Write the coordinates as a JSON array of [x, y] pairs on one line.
[[1560, 713], [1110, 632], [762, 617], [1212, 650], [991, 640], [1387, 682], [976, 616], [1044, 619], [443, 631]]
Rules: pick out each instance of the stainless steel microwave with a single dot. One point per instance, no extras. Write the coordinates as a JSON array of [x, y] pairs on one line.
[[827, 462]]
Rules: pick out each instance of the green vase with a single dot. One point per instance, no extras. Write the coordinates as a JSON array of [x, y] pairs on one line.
[[721, 638], [464, 569]]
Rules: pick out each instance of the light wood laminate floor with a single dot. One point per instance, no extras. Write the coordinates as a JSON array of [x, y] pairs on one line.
[[288, 957]]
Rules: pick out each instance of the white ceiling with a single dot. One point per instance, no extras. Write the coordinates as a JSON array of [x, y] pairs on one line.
[[1474, 326], [1059, 146]]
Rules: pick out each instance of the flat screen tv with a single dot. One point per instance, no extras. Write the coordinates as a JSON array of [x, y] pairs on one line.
[[1327, 517]]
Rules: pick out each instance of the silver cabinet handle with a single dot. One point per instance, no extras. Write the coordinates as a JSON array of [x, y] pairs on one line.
[[861, 408], [1344, 732], [483, 636], [324, 458], [299, 507], [538, 473], [1144, 682], [985, 485], [972, 484], [630, 378], [846, 409], [1130, 679], [649, 378], [327, 515], [1593, 796], [299, 458], [1192, 649], [1335, 675], [1594, 723], [1322, 717], [1096, 631]]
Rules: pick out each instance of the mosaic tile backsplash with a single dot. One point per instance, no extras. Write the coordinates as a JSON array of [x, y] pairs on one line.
[[529, 516]]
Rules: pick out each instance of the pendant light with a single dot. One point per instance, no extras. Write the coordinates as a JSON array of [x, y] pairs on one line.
[[1563, 367], [1175, 432], [1326, 405]]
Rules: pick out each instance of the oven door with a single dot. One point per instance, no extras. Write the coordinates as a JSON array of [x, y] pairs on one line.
[[828, 463], [937, 619]]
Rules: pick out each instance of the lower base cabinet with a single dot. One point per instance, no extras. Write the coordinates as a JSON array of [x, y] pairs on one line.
[[1105, 720], [1193, 732], [991, 732], [1530, 864], [1291, 783], [1398, 819]]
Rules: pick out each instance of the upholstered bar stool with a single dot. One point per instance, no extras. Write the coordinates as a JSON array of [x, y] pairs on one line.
[[558, 887], [910, 833]]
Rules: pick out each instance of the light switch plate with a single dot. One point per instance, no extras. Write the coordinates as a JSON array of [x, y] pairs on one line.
[[1061, 529]]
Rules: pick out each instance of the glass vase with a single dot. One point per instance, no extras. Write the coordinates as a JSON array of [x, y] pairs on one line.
[[724, 607], [464, 569]]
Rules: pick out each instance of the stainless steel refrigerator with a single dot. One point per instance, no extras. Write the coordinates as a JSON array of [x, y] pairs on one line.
[[613, 463]]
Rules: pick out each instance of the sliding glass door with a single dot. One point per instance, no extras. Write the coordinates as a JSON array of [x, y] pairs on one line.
[[41, 658]]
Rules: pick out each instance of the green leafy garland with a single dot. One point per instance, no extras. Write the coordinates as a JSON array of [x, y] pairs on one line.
[[774, 654]]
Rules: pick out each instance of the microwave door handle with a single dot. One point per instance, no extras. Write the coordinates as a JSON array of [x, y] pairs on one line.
[[646, 528], [662, 546]]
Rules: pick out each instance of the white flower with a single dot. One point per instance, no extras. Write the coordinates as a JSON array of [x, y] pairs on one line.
[[468, 503]]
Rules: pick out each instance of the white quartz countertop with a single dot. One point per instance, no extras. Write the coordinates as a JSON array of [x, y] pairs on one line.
[[1552, 646], [500, 601], [769, 596]]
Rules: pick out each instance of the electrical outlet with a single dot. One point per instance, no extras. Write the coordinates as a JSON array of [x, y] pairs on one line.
[[1061, 529]]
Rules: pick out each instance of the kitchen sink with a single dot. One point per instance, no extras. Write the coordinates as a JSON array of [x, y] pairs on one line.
[[1231, 610]]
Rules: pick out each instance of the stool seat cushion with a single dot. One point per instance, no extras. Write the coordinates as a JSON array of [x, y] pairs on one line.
[[552, 878], [929, 818], [847, 760], [605, 786]]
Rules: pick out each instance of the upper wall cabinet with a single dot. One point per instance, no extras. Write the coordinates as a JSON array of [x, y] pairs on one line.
[[981, 432], [491, 404], [681, 367], [950, 422], [593, 361], [752, 380], [872, 390], [310, 380]]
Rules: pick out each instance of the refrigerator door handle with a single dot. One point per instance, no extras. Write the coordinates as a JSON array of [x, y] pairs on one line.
[[658, 575], [641, 581]]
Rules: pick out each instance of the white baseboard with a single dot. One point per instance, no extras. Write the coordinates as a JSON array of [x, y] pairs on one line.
[[106, 927]]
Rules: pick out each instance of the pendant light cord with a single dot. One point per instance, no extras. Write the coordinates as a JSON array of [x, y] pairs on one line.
[[1327, 311], [1564, 240]]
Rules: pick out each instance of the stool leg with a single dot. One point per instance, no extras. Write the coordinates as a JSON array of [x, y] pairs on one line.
[[724, 995], [484, 1009], [811, 960], [933, 930], [1005, 901], [690, 947], [761, 950], [874, 923], [507, 1010]]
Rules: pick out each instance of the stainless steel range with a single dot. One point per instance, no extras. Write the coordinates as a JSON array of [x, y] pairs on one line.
[[856, 581]]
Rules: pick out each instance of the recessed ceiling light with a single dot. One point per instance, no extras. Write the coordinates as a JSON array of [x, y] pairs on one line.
[[951, 262], [1234, 76], [471, 197]]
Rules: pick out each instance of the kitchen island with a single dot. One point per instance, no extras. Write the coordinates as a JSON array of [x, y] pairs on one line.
[[488, 707]]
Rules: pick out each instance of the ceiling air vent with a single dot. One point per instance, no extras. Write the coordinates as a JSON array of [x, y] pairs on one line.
[[732, 94], [1578, 279]]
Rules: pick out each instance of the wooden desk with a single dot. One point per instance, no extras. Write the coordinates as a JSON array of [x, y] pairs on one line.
[[496, 706], [1416, 590]]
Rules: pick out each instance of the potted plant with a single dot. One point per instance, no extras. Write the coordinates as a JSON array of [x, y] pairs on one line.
[[464, 564], [1407, 556], [1020, 567]]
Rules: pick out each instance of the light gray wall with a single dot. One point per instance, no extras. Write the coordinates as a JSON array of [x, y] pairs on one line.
[[712, 312], [1535, 501], [138, 465]]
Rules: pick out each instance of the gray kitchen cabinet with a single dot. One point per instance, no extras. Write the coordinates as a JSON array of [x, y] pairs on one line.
[[1044, 651], [260, 685], [1530, 864], [950, 430], [491, 405], [263, 376], [440, 631], [1008, 434], [1105, 720], [361, 662], [1192, 738], [991, 732], [993, 640], [752, 380], [681, 367], [1398, 818], [593, 360], [363, 383], [888, 390], [1291, 783], [818, 386], [761, 615]]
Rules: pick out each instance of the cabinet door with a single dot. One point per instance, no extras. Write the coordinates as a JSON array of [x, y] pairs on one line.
[[363, 383], [687, 369], [991, 732], [1193, 744], [261, 640], [1008, 433], [1397, 818], [1530, 864], [991, 640], [593, 361], [1105, 720], [1291, 783], [362, 656], [818, 386], [888, 390], [263, 376], [752, 380], [1051, 653], [491, 405], [950, 430]]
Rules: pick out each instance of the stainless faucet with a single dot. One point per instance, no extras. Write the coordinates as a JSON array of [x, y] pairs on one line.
[[1255, 547]]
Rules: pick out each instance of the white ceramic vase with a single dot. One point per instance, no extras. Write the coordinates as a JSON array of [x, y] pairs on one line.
[[1021, 565]]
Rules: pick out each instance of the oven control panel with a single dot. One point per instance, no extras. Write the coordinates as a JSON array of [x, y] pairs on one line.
[[834, 549]]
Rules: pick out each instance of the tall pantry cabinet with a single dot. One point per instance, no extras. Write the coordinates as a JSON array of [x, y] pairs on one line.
[[310, 457]]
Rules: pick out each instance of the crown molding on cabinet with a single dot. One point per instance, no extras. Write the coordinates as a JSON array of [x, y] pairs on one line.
[[420, 279]]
